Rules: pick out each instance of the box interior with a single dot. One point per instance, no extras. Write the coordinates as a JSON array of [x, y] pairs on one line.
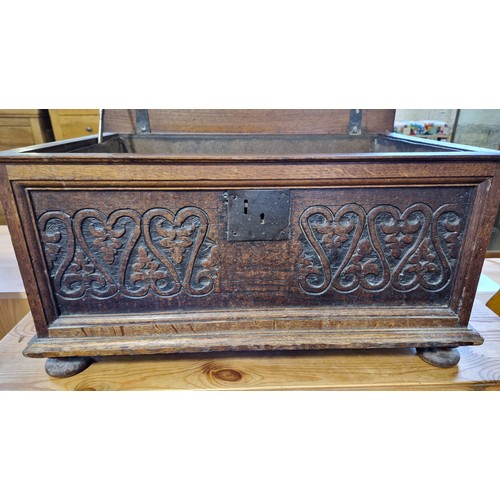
[[245, 144]]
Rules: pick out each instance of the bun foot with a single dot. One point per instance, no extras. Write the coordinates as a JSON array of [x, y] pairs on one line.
[[66, 367], [442, 357]]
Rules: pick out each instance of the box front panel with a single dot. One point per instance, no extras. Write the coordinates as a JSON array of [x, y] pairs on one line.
[[111, 251]]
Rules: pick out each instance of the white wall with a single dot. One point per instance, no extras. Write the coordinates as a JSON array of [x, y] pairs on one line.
[[479, 127], [442, 115], [475, 127]]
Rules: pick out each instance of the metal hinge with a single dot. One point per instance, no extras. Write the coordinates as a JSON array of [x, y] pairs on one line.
[[142, 125], [355, 122]]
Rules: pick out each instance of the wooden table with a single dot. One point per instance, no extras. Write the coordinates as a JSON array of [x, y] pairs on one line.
[[398, 369], [13, 303]]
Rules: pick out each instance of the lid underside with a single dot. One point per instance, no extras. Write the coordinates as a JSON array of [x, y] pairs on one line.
[[249, 121]]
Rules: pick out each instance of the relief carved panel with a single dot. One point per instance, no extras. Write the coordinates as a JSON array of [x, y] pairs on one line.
[[173, 255], [405, 249], [101, 256]]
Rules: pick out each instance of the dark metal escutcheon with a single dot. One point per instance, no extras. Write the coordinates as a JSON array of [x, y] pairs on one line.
[[258, 215]]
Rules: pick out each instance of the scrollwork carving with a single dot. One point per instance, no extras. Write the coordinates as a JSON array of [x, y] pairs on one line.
[[333, 238], [408, 249], [128, 253], [179, 241], [58, 242]]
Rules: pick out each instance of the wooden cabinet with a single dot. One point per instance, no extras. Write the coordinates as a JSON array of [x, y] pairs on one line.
[[23, 127], [69, 123]]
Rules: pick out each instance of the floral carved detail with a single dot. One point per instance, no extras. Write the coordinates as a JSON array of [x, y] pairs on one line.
[[364, 263], [333, 233], [400, 234], [80, 275], [146, 268], [176, 240], [404, 249], [107, 240], [128, 253], [147, 273], [422, 261]]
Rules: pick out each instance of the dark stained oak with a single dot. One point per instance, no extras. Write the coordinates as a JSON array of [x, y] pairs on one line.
[[124, 245]]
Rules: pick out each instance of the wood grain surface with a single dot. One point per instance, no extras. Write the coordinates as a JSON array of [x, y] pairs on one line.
[[257, 121], [11, 311], [376, 369], [13, 303]]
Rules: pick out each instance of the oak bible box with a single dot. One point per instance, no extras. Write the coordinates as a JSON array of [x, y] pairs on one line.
[[215, 230]]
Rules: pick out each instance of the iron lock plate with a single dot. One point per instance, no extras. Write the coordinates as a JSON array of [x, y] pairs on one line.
[[258, 215]]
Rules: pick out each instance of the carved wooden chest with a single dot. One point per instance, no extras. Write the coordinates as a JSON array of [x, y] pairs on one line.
[[204, 230]]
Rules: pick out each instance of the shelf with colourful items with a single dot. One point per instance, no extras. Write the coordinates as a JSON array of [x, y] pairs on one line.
[[427, 129]]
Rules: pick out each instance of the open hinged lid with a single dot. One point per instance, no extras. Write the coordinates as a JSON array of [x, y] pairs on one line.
[[214, 135], [249, 121]]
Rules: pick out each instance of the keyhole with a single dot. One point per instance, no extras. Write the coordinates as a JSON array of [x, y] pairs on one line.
[[245, 206], [262, 219]]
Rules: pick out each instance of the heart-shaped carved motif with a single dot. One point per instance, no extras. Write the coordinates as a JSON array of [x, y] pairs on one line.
[[108, 243], [175, 240], [328, 234], [397, 237]]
